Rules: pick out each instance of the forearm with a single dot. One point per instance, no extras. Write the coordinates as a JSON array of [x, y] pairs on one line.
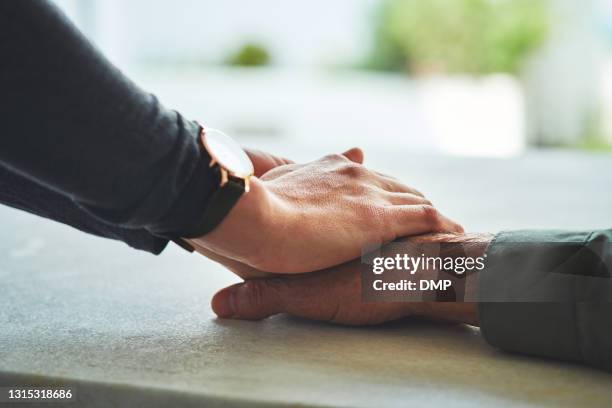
[[74, 123], [24, 194]]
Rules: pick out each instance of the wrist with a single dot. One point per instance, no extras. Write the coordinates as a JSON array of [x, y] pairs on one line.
[[473, 245], [255, 209], [243, 228], [191, 201]]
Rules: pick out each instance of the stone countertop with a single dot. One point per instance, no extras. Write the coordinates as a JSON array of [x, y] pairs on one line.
[[130, 329]]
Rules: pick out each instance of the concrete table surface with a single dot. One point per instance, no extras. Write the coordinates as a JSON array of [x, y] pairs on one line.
[[130, 329]]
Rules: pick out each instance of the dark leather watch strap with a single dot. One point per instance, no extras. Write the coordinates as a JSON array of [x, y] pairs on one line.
[[220, 204]]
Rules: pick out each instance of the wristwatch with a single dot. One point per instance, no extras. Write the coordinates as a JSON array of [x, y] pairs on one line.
[[234, 170]]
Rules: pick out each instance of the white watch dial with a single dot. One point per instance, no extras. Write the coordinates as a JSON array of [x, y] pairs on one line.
[[225, 151]]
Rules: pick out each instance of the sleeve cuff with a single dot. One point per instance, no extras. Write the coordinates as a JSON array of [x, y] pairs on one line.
[[526, 302], [188, 209]]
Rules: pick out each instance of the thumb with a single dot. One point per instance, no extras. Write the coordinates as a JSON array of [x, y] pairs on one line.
[[313, 295], [251, 300], [355, 155]]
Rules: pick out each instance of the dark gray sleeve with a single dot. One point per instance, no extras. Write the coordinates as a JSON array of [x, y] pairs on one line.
[[73, 123], [24, 194], [549, 293]]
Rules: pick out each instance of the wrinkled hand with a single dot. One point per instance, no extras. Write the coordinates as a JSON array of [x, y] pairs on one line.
[[334, 295], [301, 218]]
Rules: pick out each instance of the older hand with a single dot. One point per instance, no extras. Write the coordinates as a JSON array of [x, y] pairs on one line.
[[301, 218], [334, 295]]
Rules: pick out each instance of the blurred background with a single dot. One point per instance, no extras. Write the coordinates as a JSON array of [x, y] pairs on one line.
[[489, 78]]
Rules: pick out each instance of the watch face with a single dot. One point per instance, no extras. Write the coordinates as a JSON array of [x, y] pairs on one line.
[[225, 151]]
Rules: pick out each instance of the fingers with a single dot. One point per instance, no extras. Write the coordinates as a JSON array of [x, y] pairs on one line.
[[355, 155], [392, 184], [333, 295], [407, 199], [305, 296], [420, 219], [264, 162], [384, 181]]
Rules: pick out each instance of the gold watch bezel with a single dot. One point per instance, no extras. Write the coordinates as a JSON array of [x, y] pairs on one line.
[[225, 171]]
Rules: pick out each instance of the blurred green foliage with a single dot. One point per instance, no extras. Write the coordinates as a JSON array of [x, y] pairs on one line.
[[594, 144], [250, 55], [466, 36]]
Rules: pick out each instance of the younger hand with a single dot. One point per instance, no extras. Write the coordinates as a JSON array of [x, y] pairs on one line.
[[264, 162], [301, 218]]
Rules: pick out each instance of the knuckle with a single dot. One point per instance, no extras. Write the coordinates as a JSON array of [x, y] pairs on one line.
[[334, 157], [428, 203], [353, 170], [431, 215], [366, 195], [255, 292]]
